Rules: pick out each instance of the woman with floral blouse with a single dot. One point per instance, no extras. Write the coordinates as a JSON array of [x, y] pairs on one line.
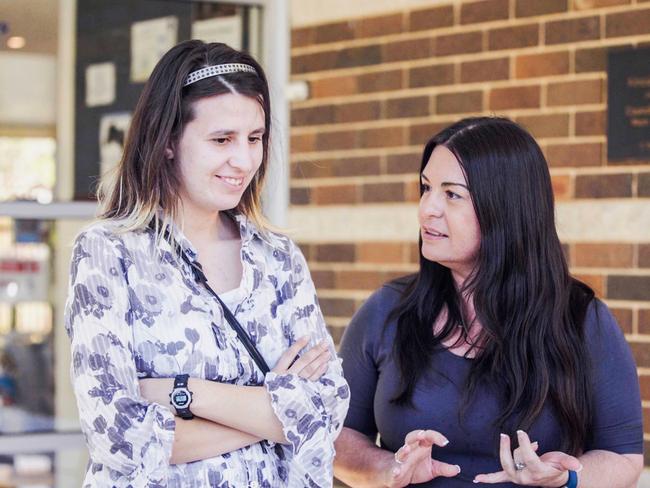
[[168, 393]]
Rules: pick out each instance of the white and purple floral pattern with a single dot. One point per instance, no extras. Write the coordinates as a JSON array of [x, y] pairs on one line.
[[134, 312]]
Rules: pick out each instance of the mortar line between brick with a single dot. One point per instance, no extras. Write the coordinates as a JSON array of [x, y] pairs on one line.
[[462, 28], [352, 70], [448, 89]]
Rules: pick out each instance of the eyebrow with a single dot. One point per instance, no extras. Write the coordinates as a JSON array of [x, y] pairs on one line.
[[445, 183], [230, 132]]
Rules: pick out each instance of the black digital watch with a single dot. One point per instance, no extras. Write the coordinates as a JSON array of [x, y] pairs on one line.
[[181, 397]]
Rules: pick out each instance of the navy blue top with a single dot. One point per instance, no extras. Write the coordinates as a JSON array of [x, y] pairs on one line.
[[373, 377]]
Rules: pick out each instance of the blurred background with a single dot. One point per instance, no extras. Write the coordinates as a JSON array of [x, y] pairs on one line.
[[357, 89]]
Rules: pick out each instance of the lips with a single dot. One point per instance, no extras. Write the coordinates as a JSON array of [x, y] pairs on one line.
[[428, 231], [232, 181]]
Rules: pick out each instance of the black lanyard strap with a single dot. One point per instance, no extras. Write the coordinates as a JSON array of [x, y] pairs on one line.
[[199, 277]]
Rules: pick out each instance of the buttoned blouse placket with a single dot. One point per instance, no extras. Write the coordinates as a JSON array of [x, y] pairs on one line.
[[250, 373]]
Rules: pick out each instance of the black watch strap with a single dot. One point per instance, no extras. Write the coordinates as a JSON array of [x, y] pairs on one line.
[[181, 397]]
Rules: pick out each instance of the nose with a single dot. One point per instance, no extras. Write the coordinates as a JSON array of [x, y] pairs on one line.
[[432, 204], [243, 156]]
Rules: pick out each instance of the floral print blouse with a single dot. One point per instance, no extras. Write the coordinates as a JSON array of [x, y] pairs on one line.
[[135, 311]]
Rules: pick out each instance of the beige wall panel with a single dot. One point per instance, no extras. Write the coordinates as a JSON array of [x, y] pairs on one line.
[[308, 12], [604, 221], [395, 222], [590, 221], [27, 89]]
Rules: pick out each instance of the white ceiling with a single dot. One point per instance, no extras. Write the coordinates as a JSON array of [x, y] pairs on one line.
[[35, 20]]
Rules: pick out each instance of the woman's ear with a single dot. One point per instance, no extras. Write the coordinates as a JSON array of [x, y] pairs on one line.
[[169, 153]]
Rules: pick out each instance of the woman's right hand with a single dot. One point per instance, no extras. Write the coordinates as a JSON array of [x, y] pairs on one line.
[[549, 469], [413, 464], [311, 365]]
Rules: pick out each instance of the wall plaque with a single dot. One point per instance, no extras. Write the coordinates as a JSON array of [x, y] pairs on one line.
[[628, 95]]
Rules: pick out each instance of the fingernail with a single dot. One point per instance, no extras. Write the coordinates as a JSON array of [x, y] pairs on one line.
[[503, 436], [474, 481], [458, 468], [579, 469], [421, 433], [445, 442], [519, 432]]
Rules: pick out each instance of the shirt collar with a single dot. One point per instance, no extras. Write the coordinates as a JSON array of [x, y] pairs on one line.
[[175, 237], [248, 231]]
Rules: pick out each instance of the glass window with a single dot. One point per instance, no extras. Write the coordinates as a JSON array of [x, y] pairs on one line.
[[27, 168]]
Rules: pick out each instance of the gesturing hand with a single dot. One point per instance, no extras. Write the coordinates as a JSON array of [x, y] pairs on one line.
[[412, 462], [311, 365], [524, 467]]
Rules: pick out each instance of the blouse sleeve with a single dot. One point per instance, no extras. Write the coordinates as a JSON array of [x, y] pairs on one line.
[[617, 420], [311, 412], [360, 361], [125, 434]]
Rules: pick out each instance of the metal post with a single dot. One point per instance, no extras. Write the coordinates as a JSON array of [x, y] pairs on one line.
[[276, 60]]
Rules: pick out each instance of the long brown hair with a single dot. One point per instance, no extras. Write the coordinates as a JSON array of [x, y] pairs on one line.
[[144, 187]]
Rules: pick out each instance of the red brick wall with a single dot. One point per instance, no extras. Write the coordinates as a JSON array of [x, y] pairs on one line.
[[381, 86]]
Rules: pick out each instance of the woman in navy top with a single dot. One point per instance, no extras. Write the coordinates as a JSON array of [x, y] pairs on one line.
[[491, 365]]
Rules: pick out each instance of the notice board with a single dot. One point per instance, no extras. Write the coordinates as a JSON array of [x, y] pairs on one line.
[[117, 44]]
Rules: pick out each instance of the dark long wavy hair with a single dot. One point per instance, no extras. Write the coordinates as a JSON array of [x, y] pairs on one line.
[[531, 343]]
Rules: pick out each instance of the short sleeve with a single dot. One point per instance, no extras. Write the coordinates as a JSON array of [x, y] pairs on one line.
[[617, 421], [126, 435], [360, 353]]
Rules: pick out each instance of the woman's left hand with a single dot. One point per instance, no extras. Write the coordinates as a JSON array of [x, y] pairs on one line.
[[548, 470], [157, 390]]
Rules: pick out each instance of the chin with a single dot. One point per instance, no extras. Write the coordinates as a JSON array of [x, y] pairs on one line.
[[436, 258], [430, 255], [226, 204], [427, 256]]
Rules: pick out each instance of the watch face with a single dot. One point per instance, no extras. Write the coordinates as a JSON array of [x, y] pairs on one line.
[[180, 397]]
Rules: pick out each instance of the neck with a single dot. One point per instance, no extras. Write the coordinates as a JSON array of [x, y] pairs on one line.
[[472, 324], [466, 302], [465, 343], [459, 276], [205, 228]]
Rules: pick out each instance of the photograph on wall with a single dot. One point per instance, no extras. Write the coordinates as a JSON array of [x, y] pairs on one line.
[[219, 29], [100, 84], [112, 133], [150, 39]]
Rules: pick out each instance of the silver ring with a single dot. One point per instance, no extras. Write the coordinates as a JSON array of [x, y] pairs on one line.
[[519, 466], [395, 457]]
